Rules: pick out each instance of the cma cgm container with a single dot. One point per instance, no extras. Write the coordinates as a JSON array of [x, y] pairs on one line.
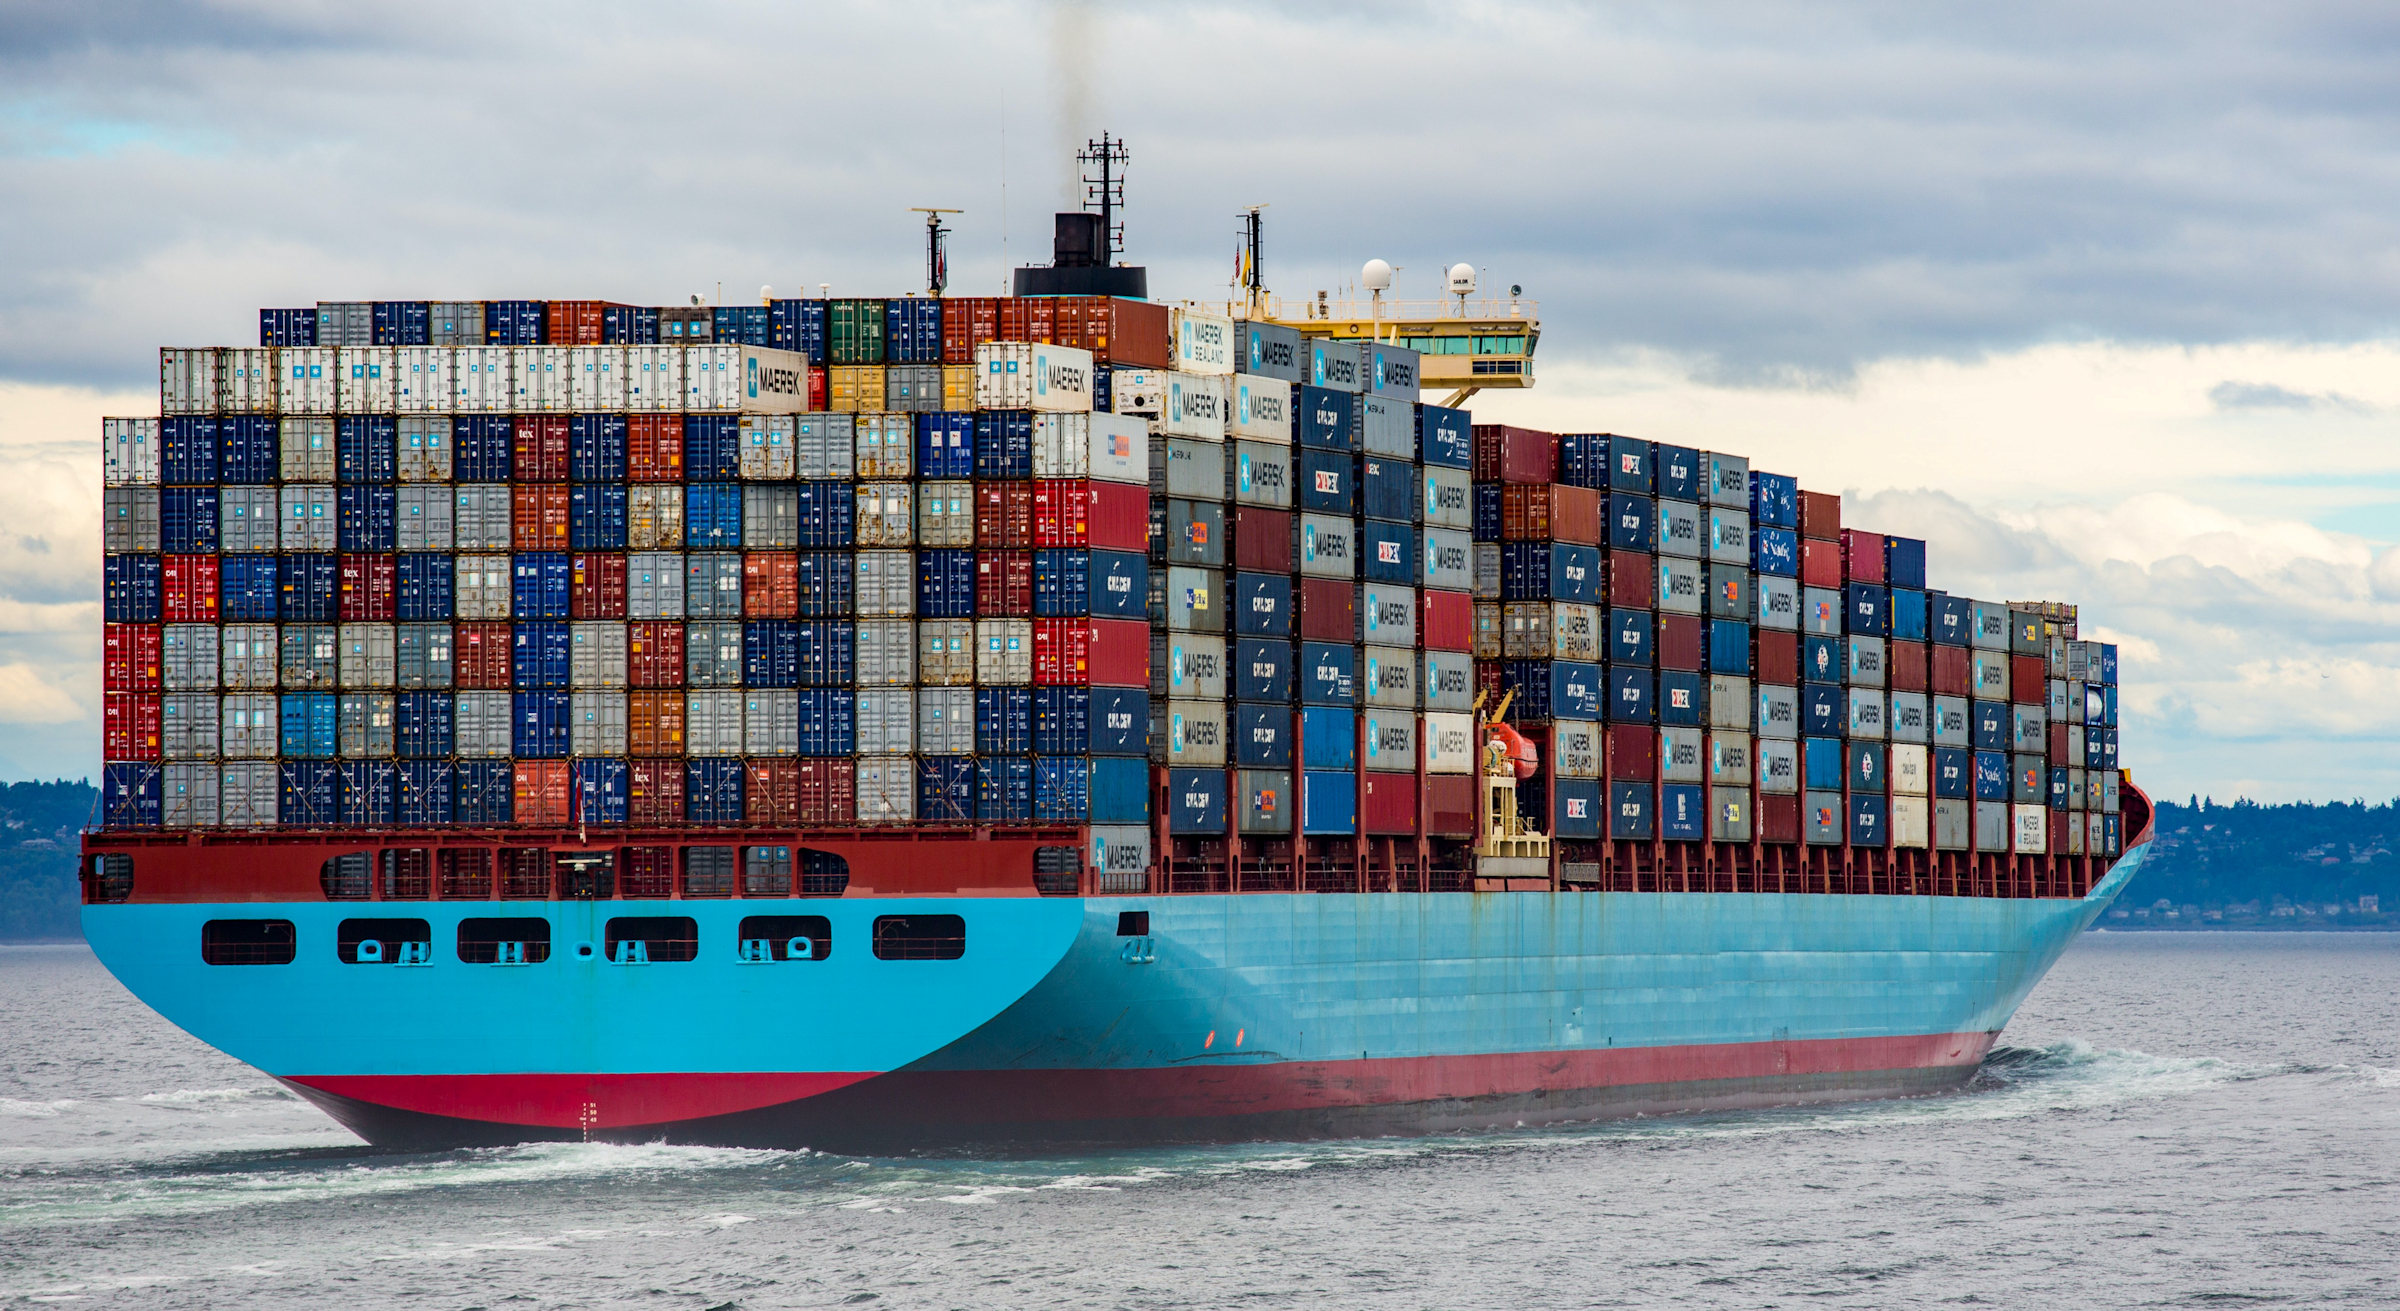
[[992, 653]]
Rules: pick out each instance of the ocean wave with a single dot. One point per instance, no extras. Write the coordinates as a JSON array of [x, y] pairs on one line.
[[210, 1096], [33, 1110]]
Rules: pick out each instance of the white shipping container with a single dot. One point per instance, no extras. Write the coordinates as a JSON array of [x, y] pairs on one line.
[[654, 516], [424, 514], [422, 379], [188, 657], [188, 795], [481, 518], [1729, 760], [945, 721], [129, 452], [1195, 407], [129, 519], [1777, 761], [482, 590], [887, 789], [946, 653], [188, 723], [1262, 409], [365, 385], [251, 652], [369, 655], [596, 378], [1203, 342], [1016, 375], [1912, 775], [884, 445], [479, 382], [247, 377], [745, 379], [189, 379], [654, 585], [481, 727], [654, 379], [363, 725], [1682, 755], [1189, 733], [307, 454], [596, 654], [2032, 830], [825, 445], [1004, 652], [886, 516], [311, 657], [1575, 743], [249, 731], [596, 723], [886, 652], [1450, 743], [887, 581], [425, 448], [1390, 740], [311, 375], [540, 379], [946, 515], [246, 795], [309, 522], [1912, 822], [1137, 391], [712, 723], [1729, 702], [1108, 447], [767, 448], [887, 723]]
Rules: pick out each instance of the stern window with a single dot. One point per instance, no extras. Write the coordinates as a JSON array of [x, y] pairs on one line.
[[384, 942], [920, 937], [644, 939], [247, 942], [773, 937], [498, 940]]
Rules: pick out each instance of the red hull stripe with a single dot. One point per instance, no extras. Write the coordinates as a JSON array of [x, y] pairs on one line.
[[1192, 1089], [578, 1101]]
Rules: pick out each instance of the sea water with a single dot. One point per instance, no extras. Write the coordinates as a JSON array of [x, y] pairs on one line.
[[2171, 1120]]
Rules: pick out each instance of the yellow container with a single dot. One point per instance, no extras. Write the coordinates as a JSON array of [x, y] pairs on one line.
[[958, 386], [854, 387]]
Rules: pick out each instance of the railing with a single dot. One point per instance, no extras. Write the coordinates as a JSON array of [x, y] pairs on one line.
[[1389, 310]]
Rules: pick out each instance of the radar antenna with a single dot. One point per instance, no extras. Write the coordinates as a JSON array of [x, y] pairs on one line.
[[937, 250], [1106, 191]]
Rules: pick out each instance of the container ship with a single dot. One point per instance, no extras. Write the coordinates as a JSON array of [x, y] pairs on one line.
[[891, 723]]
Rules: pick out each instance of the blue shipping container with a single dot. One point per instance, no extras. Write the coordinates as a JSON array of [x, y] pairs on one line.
[[366, 448], [712, 791], [712, 447], [1578, 808], [1867, 820], [1903, 562], [1988, 722], [427, 789], [1445, 437], [424, 585], [187, 520], [629, 325], [369, 793], [1388, 553], [542, 585], [540, 722], [1061, 789], [828, 653], [945, 789], [1632, 637], [539, 656], [1262, 605], [1682, 698], [1328, 422], [425, 725], [310, 794], [798, 325], [404, 323], [187, 449], [1775, 552], [1952, 622], [1682, 812], [1678, 473], [596, 517], [1004, 443], [1262, 670], [1328, 674], [596, 448], [306, 588], [1098, 721], [365, 517], [1196, 801], [1632, 694], [1632, 811], [1953, 773], [1388, 488], [712, 517], [1820, 658], [771, 653], [250, 449], [1328, 737], [912, 331], [1328, 482], [828, 721], [1003, 721], [249, 588], [1262, 736], [1487, 513], [1728, 647], [742, 325], [1004, 788], [1820, 708], [486, 446], [1868, 611], [1632, 466], [515, 322], [1774, 500], [287, 327], [1821, 764], [945, 583], [828, 514], [946, 444], [1328, 802], [1908, 615], [487, 792], [600, 791], [1991, 776], [1632, 522], [129, 796], [131, 590]]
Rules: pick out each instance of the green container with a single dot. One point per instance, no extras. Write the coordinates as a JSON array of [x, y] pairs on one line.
[[857, 332]]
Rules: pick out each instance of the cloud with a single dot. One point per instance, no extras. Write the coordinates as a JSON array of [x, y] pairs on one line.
[[26, 697], [2267, 396]]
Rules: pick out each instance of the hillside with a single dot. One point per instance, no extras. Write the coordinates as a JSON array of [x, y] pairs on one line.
[[38, 824]]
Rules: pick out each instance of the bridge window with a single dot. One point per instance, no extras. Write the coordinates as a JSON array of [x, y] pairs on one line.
[[466, 874], [111, 878], [708, 871], [347, 877], [384, 942], [920, 937], [499, 940], [640, 939], [407, 874], [775, 935], [248, 942]]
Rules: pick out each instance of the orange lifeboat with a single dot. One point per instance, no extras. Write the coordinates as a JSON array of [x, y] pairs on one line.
[[1520, 752]]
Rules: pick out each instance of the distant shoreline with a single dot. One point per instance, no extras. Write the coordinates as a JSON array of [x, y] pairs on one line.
[[2244, 928]]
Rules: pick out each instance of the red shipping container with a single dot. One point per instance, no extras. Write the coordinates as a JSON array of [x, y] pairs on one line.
[[1128, 333], [1328, 610], [654, 448], [1820, 563], [1821, 516], [1862, 556], [1446, 620], [1778, 817], [541, 448], [771, 585], [2058, 744], [654, 654], [1387, 803], [1091, 652], [367, 584], [816, 389], [1550, 512], [190, 586], [130, 725], [1450, 805], [771, 792], [1003, 584], [1262, 539], [1950, 670], [481, 652], [1777, 656], [1028, 318], [828, 791], [1491, 680], [1087, 512], [2028, 683], [596, 586], [1679, 641], [538, 516], [130, 655], [653, 799], [968, 322], [1004, 515], [1631, 583], [1632, 752], [1514, 455], [654, 723], [543, 788], [1910, 666], [578, 322]]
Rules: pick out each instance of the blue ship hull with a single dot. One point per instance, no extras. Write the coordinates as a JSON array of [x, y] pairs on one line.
[[1232, 1016]]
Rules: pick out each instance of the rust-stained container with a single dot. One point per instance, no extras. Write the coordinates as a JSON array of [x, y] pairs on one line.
[[654, 654], [366, 583], [654, 799], [1089, 512], [828, 791], [130, 725], [1545, 512], [482, 656], [1449, 805], [1514, 455], [1091, 652], [1445, 620], [1821, 518], [1820, 562], [1778, 817], [1679, 645], [130, 657], [596, 585], [1004, 515], [541, 448], [1003, 584], [1632, 752], [771, 792], [967, 322], [1776, 656], [654, 723], [1387, 803], [1028, 318], [538, 516], [1910, 666], [1951, 670], [1262, 539], [771, 585], [654, 448], [189, 589], [1491, 631], [1630, 580], [1328, 610], [542, 791]]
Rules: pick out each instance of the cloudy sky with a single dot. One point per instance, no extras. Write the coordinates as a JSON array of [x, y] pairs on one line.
[[2103, 300]]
